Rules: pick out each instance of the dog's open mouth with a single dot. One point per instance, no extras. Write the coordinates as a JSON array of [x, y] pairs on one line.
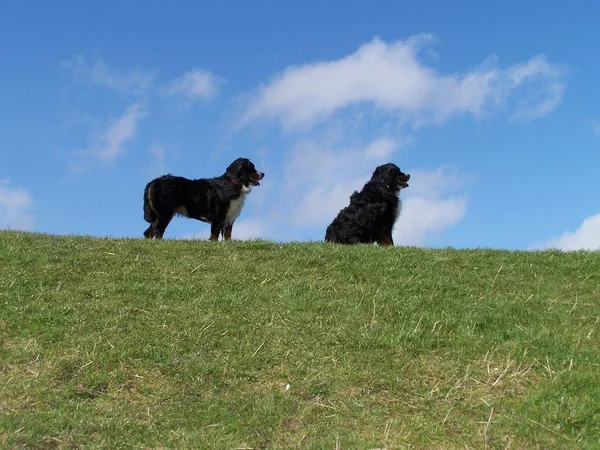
[[255, 177], [403, 182]]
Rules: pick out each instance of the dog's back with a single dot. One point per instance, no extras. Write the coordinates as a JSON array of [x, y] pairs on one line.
[[170, 194], [363, 220], [372, 212]]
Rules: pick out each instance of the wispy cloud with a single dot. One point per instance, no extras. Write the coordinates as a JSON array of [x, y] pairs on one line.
[[382, 148], [132, 81], [251, 228], [317, 182], [545, 88], [327, 174], [319, 176], [110, 144], [434, 202], [393, 78], [197, 84], [381, 94], [16, 204], [158, 156], [586, 237]]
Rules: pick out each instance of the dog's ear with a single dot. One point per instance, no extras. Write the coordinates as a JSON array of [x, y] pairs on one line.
[[235, 169], [378, 174], [385, 173], [241, 169]]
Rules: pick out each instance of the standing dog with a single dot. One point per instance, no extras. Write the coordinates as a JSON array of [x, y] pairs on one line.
[[372, 212], [218, 201]]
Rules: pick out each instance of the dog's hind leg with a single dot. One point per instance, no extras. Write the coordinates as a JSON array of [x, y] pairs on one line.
[[151, 215], [157, 228], [161, 226]]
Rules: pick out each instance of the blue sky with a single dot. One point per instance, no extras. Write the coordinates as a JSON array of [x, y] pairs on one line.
[[493, 108]]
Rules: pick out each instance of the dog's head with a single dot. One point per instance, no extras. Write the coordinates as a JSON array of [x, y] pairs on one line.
[[243, 171], [391, 175]]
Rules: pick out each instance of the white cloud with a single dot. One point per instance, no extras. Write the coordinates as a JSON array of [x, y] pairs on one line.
[[195, 84], [323, 161], [133, 81], [530, 109], [586, 237], [15, 207], [392, 78], [319, 205], [435, 183], [375, 94], [381, 148], [319, 178], [432, 203], [250, 229], [110, 144], [158, 156], [317, 182], [546, 91], [421, 217]]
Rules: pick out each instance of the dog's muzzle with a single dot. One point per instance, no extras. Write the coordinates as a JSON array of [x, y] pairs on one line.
[[403, 181], [255, 177]]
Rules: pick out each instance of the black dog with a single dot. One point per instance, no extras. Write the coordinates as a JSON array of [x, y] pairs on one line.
[[372, 212], [217, 201]]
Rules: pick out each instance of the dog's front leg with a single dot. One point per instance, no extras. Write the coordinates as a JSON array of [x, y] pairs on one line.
[[386, 238], [227, 231], [216, 228]]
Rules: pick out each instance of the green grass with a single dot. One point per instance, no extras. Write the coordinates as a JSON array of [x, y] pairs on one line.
[[185, 344]]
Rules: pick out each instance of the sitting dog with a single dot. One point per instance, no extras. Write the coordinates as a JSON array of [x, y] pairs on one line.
[[372, 212], [218, 201]]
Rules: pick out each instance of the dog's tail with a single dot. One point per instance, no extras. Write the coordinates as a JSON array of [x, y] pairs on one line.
[[150, 214]]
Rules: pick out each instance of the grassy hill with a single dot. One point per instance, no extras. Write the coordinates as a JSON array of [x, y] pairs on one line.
[[121, 343]]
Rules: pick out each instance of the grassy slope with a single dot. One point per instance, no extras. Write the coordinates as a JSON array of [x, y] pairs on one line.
[[191, 344]]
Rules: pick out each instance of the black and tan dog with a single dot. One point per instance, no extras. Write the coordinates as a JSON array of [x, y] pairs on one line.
[[218, 201], [372, 212]]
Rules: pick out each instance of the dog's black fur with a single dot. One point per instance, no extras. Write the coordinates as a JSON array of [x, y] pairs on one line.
[[217, 201], [372, 212]]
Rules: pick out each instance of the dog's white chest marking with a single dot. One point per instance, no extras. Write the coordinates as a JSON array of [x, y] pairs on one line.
[[235, 206], [182, 210]]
